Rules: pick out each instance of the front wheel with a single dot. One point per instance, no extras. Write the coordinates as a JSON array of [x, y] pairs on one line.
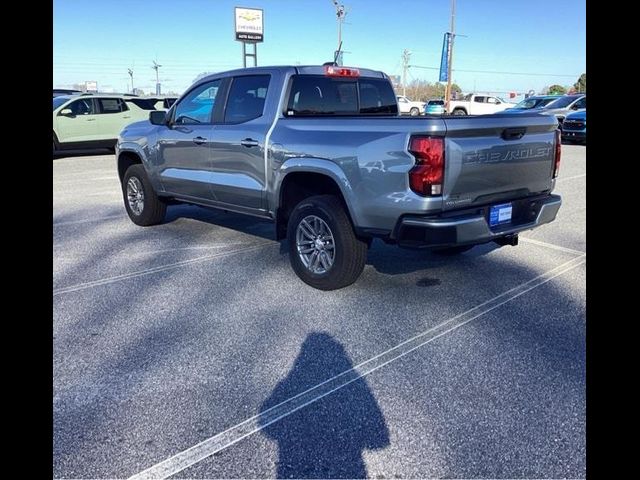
[[414, 112], [141, 201], [323, 248]]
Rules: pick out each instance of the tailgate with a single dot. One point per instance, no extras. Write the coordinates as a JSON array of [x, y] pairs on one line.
[[494, 158]]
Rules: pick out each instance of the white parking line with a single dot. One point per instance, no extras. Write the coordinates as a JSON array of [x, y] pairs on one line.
[[86, 173], [84, 182], [551, 246], [67, 194], [233, 435], [106, 192], [564, 179], [87, 220], [149, 271]]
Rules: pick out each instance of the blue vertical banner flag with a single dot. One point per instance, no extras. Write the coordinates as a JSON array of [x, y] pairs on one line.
[[444, 61]]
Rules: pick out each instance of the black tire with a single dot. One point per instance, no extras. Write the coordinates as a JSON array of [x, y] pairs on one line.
[[153, 208], [450, 251], [350, 253], [414, 112], [459, 111]]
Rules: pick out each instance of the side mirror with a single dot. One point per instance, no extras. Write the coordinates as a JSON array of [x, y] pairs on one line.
[[158, 117], [66, 112]]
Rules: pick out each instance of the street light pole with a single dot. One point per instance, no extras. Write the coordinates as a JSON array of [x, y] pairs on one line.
[[156, 66], [131, 75], [406, 55], [447, 93], [340, 14]]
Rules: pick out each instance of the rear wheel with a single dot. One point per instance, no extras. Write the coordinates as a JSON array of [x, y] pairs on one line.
[[140, 200], [459, 111], [453, 250], [414, 112], [323, 248]]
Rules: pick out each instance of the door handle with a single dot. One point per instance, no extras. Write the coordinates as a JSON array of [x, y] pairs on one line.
[[249, 142], [199, 140], [91, 119], [127, 116]]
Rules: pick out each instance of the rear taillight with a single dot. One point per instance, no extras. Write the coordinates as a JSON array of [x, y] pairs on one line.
[[556, 163], [427, 177], [336, 71]]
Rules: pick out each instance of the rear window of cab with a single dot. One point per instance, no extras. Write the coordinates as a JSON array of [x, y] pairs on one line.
[[319, 95]]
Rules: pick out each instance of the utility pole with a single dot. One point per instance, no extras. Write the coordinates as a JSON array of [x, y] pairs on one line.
[[406, 54], [340, 14], [131, 75], [447, 92], [156, 66]]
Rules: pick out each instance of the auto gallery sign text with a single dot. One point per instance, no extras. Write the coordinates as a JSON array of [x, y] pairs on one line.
[[249, 25]]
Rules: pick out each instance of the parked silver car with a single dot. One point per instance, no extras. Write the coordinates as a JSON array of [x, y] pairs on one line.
[[564, 105]]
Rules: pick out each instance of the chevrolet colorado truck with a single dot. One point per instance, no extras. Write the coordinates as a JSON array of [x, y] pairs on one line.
[[322, 152]]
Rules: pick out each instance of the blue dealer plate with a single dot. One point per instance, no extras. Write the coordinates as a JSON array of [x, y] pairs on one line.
[[500, 214]]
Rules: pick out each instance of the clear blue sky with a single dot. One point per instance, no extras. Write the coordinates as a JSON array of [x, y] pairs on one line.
[[100, 40]]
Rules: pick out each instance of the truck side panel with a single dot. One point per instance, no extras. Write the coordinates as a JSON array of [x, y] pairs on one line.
[[372, 153]]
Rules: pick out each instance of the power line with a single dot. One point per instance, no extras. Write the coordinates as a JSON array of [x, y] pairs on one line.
[[499, 73]]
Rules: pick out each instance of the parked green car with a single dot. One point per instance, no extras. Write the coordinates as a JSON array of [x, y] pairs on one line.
[[93, 120]]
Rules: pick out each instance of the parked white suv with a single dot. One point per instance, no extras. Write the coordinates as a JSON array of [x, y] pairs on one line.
[[408, 107]]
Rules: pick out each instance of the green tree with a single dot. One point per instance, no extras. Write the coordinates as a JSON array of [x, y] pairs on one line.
[[557, 90], [581, 84]]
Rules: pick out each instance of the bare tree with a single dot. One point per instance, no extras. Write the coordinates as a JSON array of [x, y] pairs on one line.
[[421, 90]]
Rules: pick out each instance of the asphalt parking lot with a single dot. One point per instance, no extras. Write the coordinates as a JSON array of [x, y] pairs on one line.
[[191, 350]]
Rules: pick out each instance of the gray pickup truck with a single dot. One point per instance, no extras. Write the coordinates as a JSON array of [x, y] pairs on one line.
[[322, 152]]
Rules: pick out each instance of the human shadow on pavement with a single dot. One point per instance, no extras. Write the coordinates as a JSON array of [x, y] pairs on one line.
[[325, 439]]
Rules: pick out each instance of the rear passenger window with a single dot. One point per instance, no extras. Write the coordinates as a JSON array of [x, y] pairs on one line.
[[246, 98], [479, 99], [112, 105], [143, 103]]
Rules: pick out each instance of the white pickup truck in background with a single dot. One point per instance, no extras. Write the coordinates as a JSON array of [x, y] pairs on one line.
[[478, 105], [409, 107]]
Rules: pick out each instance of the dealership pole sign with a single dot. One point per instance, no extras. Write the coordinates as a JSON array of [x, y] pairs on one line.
[[249, 25], [444, 61]]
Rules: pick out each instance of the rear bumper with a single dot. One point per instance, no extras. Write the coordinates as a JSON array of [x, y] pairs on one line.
[[415, 231]]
